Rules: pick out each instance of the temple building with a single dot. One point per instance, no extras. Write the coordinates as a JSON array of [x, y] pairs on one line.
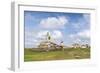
[[47, 44]]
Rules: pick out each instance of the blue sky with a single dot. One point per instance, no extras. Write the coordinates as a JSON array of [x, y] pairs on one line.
[[67, 27]]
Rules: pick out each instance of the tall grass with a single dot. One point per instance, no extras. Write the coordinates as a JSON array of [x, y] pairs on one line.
[[68, 53]]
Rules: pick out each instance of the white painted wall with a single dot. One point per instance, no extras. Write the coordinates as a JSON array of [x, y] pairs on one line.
[[5, 34]]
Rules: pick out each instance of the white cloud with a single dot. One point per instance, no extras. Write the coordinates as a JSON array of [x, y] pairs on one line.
[[42, 34], [29, 34], [76, 25], [82, 37], [82, 34], [30, 42], [31, 39], [86, 17], [57, 34], [77, 40], [82, 22], [54, 22]]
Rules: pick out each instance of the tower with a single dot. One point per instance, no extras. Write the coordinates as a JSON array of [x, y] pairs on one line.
[[48, 36]]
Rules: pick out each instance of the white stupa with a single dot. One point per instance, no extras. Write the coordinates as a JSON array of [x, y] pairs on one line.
[[47, 44]]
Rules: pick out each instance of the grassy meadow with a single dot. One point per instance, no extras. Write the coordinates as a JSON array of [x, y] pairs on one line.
[[68, 53]]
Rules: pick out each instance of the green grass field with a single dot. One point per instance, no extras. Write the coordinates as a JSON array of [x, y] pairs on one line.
[[72, 53]]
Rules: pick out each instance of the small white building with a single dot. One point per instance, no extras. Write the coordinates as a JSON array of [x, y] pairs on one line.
[[85, 46], [76, 45]]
